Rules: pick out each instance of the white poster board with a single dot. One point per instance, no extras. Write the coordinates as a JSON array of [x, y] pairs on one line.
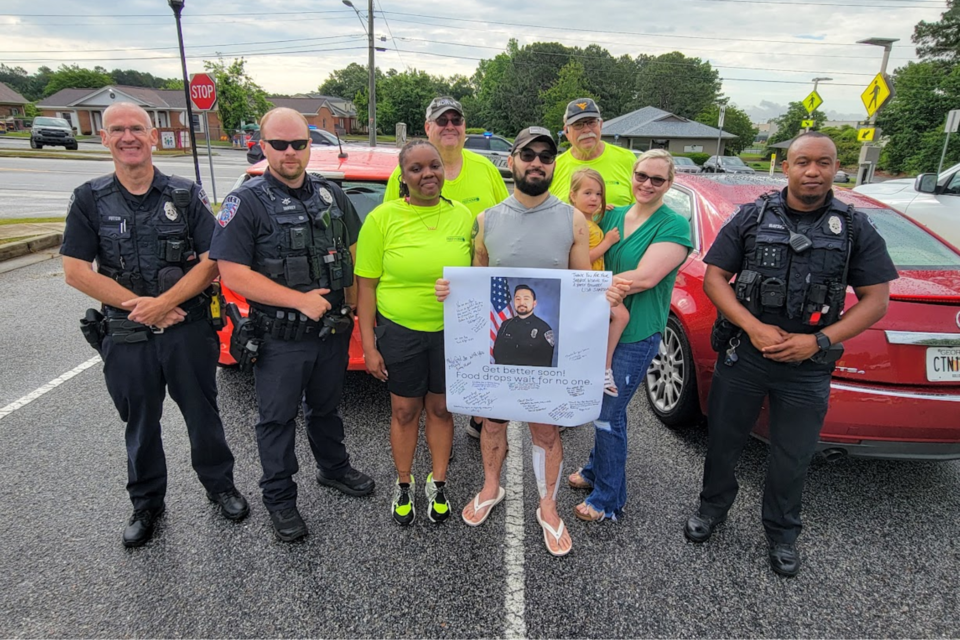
[[510, 360]]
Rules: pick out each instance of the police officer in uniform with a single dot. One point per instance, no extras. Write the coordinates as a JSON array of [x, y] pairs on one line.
[[780, 333], [524, 339], [150, 234], [285, 241]]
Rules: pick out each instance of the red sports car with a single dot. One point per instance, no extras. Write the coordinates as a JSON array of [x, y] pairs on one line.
[[363, 174], [895, 392]]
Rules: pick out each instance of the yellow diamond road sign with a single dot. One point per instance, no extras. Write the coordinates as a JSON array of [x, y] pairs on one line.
[[807, 124], [812, 101], [876, 94], [866, 134]]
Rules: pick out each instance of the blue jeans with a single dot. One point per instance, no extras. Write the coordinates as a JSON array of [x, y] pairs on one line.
[[606, 469]]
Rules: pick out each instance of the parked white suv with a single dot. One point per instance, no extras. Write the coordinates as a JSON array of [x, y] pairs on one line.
[[931, 200]]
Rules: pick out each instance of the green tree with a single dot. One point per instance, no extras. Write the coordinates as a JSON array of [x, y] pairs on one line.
[[173, 84], [610, 81], [678, 84], [347, 82], [239, 98], [735, 121], [940, 40], [790, 124], [570, 84], [17, 79], [134, 78], [924, 93], [848, 147], [75, 77]]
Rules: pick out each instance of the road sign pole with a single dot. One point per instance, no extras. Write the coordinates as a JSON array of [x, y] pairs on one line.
[[944, 154], [206, 126]]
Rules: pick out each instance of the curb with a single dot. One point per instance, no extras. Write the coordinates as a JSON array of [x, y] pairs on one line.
[[31, 245]]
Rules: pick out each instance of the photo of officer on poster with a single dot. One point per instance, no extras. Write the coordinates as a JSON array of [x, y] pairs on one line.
[[525, 326]]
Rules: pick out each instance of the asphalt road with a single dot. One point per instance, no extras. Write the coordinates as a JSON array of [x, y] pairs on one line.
[[880, 544], [41, 187]]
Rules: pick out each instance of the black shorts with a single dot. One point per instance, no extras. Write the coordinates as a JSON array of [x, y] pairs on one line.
[[414, 359]]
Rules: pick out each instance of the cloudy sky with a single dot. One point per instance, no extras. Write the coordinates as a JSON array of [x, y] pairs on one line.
[[767, 51]]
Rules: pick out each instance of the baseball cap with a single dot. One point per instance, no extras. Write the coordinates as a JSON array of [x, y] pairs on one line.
[[439, 106], [579, 109], [531, 135]]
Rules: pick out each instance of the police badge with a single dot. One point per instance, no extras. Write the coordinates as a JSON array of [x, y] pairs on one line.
[[548, 336], [325, 195], [533, 334], [835, 226], [170, 211]]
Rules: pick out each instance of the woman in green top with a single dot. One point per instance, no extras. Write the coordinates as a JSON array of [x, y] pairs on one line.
[[401, 252], [654, 243]]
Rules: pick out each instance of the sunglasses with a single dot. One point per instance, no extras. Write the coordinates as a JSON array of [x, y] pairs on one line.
[[546, 157], [641, 177], [454, 120], [281, 145]]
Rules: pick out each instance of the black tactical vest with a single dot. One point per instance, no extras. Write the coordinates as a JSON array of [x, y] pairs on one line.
[[139, 249], [310, 245], [808, 285]]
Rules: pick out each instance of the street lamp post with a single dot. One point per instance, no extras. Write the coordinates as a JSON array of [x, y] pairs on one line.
[[177, 6], [866, 174], [371, 68]]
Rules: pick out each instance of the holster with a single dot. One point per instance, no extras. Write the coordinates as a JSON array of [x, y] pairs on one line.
[[244, 343], [92, 328], [830, 356], [721, 334]]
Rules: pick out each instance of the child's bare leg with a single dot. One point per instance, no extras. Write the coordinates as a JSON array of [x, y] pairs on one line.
[[619, 317]]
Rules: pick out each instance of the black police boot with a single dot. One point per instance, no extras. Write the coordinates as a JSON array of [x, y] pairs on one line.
[[140, 526], [288, 525], [699, 527], [784, 559], [352, 483], [233, 506]]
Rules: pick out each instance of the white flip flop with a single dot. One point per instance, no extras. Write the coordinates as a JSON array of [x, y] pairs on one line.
[[486, 504], [556, 533]]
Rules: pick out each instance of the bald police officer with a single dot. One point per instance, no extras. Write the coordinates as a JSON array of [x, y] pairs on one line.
[[149, 234], [524, 339]]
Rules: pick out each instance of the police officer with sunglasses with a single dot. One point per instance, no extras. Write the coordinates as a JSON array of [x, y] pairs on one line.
[[286, 241], [782, 322]]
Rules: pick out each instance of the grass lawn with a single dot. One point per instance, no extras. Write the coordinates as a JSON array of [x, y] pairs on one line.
[[6, 221]]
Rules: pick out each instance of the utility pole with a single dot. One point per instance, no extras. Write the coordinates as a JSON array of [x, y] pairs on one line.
[[372, 69]]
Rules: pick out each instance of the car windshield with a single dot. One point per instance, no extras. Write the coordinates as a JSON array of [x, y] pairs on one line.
[[51, 122], [365, 196], [733, 160], [910, 246], [685, 161]]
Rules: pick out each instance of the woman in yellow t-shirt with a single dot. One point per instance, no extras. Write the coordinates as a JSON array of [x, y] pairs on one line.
[[401, 252]]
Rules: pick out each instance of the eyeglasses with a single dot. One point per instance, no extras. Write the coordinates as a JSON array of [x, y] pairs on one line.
[[586, 122], [546, 157], [454, 120], [137, 130], [281, 145], [641, 177]]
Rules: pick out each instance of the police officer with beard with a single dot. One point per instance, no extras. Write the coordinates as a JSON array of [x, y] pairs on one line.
[[149, 234], [286, 242], [524, 339], [780, 333]]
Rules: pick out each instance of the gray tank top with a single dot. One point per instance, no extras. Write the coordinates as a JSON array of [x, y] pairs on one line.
[[538, 238]]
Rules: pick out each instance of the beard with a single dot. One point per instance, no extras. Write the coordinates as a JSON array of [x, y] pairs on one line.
[[536, 187], [810, 198]]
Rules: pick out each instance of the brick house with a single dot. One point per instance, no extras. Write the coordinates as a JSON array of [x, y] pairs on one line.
[[12, 104]]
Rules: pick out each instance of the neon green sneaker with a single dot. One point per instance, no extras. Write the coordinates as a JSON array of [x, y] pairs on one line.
[[404, 511], [439, 507]]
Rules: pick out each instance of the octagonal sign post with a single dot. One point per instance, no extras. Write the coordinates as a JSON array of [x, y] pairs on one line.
[[203, 95]]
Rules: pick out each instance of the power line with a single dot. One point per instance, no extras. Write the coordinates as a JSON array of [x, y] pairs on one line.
[[390, 31], [225, 44], [198, 56]]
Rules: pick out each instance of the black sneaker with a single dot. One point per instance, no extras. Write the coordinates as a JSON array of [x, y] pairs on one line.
[[352, 483], [288, 525], [232, 505], [474, 428], [404, 512], [140, 527]]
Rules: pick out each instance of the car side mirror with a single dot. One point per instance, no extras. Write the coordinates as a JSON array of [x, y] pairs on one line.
[[926, 183]]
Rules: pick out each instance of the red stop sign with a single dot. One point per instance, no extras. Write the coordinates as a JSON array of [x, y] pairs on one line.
[[203, 92]]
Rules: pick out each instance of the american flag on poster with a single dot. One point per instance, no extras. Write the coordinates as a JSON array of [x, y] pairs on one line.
[[500, 309]]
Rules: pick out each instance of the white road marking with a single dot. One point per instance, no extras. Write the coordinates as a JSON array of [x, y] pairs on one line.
[[515, 625], [50, 386]]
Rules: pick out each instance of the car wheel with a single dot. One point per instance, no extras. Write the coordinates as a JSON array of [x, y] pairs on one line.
[[72, 147], [672, 381], [34, 145]]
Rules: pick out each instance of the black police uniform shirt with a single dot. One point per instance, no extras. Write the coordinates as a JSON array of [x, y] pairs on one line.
[[242, 239], [81, 235], [870, 262], [524, 341]]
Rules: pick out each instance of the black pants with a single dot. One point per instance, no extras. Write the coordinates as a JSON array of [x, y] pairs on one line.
[[183, 359], [798, 403], [286, 373]]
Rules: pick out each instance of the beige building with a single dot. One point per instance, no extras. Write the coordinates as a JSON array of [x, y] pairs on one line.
[[652, 128]]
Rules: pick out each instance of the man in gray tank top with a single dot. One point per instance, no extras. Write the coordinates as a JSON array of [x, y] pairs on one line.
[[531, 229]]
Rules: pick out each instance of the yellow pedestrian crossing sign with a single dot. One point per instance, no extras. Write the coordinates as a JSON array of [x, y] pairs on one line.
[[876, 94], [866, 134], [807, 124], [812, 101]]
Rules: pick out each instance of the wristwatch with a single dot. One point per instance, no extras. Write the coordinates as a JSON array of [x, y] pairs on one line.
[[823, 342]]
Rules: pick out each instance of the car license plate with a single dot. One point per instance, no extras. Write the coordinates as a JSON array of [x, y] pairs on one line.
[[943, 364]]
